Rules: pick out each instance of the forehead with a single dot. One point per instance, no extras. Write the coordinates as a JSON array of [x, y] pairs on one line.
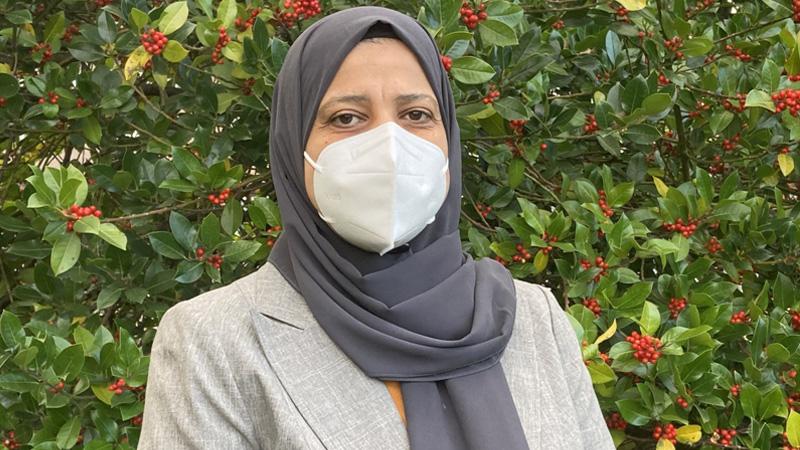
[[385, 63]]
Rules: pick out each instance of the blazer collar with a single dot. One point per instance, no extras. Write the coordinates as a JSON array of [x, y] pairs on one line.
[[340, 403]]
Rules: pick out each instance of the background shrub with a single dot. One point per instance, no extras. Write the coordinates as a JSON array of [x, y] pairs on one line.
[[636, 156]]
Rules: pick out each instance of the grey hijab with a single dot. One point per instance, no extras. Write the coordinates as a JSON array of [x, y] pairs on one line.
[[425, 314]]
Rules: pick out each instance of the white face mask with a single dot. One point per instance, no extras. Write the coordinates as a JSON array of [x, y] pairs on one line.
[[380, 188]]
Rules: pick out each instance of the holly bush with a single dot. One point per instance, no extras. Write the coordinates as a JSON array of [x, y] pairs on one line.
[[636, 156]]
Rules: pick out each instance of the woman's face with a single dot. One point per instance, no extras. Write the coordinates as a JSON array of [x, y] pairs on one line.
[[378, 82]]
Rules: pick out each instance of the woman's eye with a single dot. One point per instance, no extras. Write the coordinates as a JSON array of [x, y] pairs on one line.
[[345, 119], [418, 114]]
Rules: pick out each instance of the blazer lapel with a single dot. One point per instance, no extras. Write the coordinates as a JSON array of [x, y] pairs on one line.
[[339, 402]]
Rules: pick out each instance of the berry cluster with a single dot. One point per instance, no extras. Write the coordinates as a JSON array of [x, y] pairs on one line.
[[717, 166], [215, 259], [470, 18], [222, 41], [101, 3], [674, 45], [491, 96], [622, 14], [787, 99], [643, 35], [740, 317], [599, 262], [243, 25], [730, 144], [785, 150], [2, 102], [686, 229], [118, 386], [10, 441], [795, 319], [796, 10], [221, 198], [522, 255], [725, 435], [137, 420], [76, 212], [739, 108], [738, 53], [593, 306], [549, 239], [69, 32], [646, 347], [44, 47], [515, 148], [518, 125], [153, 41], [700, 106], [483, 210], [662, 79], [501, 260], [276, 229], [616, 422], [699, 6], [607, 210], [790, 374], [735, 390], [80, 102], [543, 146], [558, 24], [793, 401], [682, 402], [795, 77], [447, 62], [300, 9], [247, 87], [676, 305], [57, 387], [713, 246], [667, 432], [52, 97], [590, 125]]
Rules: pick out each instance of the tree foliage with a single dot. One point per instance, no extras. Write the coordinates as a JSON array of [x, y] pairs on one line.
[[636, 156]]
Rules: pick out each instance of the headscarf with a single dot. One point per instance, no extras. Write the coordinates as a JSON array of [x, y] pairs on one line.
[[425, 314]]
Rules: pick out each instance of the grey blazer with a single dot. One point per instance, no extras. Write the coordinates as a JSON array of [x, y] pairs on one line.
[[246, 366]]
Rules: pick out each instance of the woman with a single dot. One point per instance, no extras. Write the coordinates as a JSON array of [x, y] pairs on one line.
[[369, 327]]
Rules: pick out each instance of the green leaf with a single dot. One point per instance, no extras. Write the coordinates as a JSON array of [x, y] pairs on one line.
[[620, 194], [54, 28], [651, 319], [173, 17], [793, 428], [69, 362], [510, 108], [189, 271], [113, 235], [11, 329], [516, 171], [9, 86], [759, 99], [232, 216], [139, 18], [226, 12], [777, 352], [91, 129], [68, 433], [165, 245], [109, 295], [19, 16], [601, 373], [633, 411], [697, 46], [656, 103], [494, 32], [238, 251], [65, 254], [106, 27], [174, 51], [87, 224], [481, 246], [18, 382], [183, 230], [471, 70]]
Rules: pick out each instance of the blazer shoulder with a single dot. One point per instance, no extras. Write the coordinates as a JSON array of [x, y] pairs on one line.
[[537, 300], [224, 308]]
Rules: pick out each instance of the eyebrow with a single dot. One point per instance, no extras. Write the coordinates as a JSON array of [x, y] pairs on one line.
[[363, 99]]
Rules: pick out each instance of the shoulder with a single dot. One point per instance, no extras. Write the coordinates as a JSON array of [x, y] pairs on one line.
[[225, 309], [540, 311]]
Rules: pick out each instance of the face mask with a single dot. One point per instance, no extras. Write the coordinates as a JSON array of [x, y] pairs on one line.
[[380, 188]]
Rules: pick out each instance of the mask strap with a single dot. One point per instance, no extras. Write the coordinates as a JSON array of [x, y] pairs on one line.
[[311, 161]]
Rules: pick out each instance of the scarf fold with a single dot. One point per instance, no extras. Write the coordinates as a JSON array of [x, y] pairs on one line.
[[425, 314]]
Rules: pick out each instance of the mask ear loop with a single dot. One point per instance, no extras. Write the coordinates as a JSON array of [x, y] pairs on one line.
[[319, 169]]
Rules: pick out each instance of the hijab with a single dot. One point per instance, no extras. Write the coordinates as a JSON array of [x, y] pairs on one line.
[[425, 314]]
